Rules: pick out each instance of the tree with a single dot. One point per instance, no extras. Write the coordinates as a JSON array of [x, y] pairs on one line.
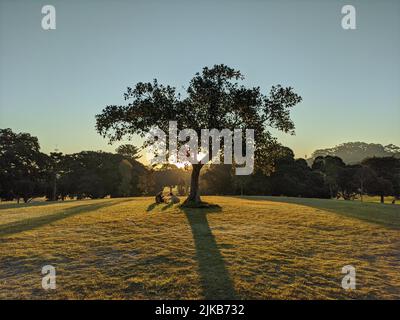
[[182, 187], [293, 177], [347, 183], [257, 184], [218, 179], [214, 99], [125, 170], [147, 182], [387, 170], [381, 187], [54, 171], [128, 151], [167, 175], [362, 176], [329, 167], [95, 174]]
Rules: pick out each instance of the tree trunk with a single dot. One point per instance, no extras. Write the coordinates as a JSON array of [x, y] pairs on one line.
[[55, 188], [382, 198], [194, 195]]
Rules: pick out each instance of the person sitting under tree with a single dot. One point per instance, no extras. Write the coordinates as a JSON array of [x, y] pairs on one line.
[[173, 198], [160, 198]]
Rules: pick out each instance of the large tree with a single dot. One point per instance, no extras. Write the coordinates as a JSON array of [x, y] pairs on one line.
[[214, 99], [21, 166]]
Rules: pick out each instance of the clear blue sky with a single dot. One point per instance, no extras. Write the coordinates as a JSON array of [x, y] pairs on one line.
[[52, 83]]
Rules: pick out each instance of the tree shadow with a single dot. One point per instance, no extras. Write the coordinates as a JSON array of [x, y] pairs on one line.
[[214, 276], [169, 205], [14, 205], [37, 222], [151, 207]]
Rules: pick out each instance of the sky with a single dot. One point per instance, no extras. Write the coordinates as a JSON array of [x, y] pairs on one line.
[[54, 82]]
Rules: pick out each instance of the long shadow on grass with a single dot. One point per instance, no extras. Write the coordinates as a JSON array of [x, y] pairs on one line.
[[4, 206], [386, 215], [29, 224], [151, 207], [215, 280]]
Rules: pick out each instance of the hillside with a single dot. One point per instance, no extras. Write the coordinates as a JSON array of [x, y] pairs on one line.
[[355, 152]]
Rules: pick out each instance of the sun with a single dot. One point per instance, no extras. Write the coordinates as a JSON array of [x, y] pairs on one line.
[[185, 164]]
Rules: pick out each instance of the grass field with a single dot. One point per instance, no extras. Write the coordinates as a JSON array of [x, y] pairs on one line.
[[251, 248]]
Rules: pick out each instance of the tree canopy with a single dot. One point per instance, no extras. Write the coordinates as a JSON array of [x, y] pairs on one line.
[[214, 99]]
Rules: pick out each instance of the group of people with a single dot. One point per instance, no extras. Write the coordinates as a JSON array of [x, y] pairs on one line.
[[160, 198]]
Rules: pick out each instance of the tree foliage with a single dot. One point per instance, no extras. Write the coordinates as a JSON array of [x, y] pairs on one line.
[[214, 99], [21, 164]]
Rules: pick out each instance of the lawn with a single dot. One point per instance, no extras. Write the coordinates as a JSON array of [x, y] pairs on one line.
[[251, 248]]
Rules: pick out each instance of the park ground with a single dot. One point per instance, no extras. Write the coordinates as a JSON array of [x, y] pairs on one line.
[[250, 248]]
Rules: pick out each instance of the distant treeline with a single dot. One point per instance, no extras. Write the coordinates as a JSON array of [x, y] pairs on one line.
[[327, 177], [25, 173]]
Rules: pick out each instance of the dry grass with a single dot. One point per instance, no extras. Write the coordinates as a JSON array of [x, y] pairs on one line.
[[250, 249]]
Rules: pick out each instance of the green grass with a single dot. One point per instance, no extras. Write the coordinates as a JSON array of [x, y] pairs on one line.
[[250, 248]]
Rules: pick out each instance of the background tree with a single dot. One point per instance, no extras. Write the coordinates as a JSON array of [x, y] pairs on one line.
[[128, 151], [125, 170], [387, 170], [347, 183], [147, 182], [214, 99], [219, 179], [21, 163], [329, 167], [54, 171], [241, 184], [166, 176], [293, 177], [96, 174], [362, 176], [182, 186], [131, 153], [381, 187]]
